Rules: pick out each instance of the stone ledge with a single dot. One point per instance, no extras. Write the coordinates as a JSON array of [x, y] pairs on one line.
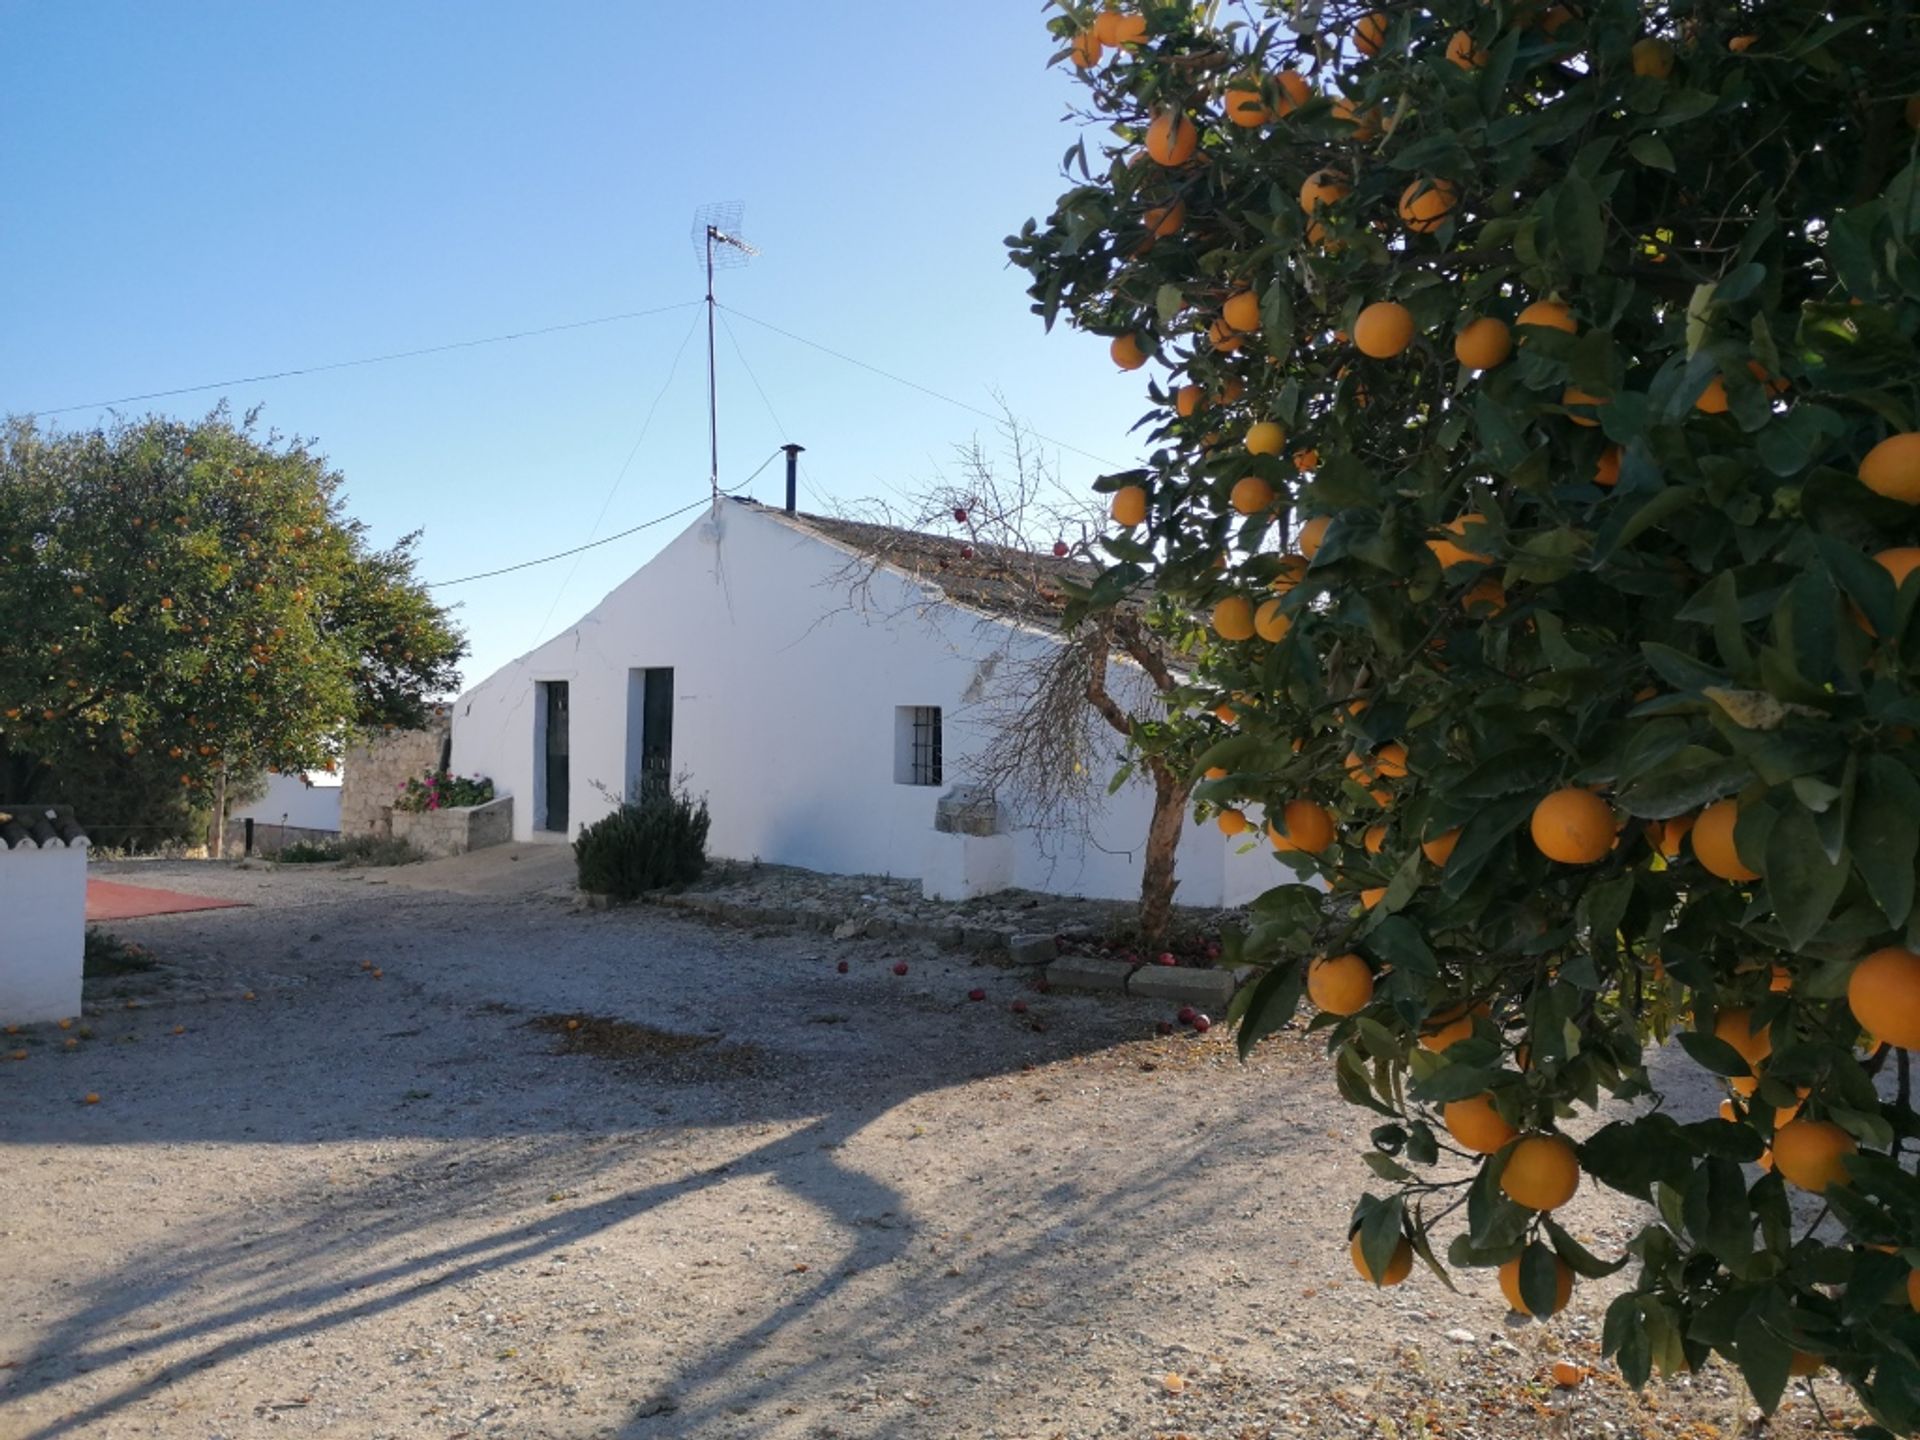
[[1148, 982]]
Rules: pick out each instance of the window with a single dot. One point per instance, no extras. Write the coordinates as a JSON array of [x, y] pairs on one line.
[[917, 745]]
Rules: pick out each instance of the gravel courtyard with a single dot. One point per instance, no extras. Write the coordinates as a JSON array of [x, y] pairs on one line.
[[748, 1195]]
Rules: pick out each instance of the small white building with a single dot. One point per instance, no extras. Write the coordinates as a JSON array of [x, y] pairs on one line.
[[43, 913], [821, 708], [309, 802]]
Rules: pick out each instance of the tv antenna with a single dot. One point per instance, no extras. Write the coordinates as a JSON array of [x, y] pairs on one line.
[[716, 234]]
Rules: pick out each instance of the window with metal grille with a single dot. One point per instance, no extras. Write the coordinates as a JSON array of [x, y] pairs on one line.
[[918, 745]]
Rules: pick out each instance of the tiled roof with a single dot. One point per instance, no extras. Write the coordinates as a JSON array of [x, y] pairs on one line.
[[37, 827]]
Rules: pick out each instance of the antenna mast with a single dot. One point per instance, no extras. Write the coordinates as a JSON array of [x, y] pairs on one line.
[[716, 235]]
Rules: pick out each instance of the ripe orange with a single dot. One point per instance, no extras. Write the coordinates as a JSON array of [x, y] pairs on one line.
[[1232, 822], [1303, 826], [1242, 311], [1439, 850], [1295, 91], [1324, 187], [1463, 52], [1086, 49], [1567, 1375], [1246, 106], [1129, 505], [1812, 1154], [1447, 1028], [1549, 314], [1740, 44], [1264, 437], [1271, 623], [1574, 826], [1305, 460], [1713, 842], [1451, 552], [1606, 471], [1216, 772], [1483, 344], [1225, 714], [1312, 533], [1187, 399], [1372, 896], [1542, 1172], [1653, 57], [1127, 353], [1574, 395], [1425, 204], [1365, 123], [1477, 1125], [1735, 1027], [1251, 495], [1884, 994], [1485, 598], [1383, 329], [1233, 618], [1562, 1286], [1339, 984], [1370, 33], [1172, 139], [1375, 839], [1892, 468], [1223, 337], [1164, 220], [1115, 28], [1398, 1268], [1913, 1277], [1673, 834]]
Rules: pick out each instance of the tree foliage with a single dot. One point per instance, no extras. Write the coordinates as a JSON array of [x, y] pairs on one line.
[[1622, 554], [187, 599]]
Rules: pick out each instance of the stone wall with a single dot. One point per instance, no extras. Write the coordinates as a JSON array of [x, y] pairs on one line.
[[270, 837], [372, 772], [456, 831]]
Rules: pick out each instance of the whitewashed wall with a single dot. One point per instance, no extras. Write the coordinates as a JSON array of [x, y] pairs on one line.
[[784, 716], [43, 929], [291, 801]]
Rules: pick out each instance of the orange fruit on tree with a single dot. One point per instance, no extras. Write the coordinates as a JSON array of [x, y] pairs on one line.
[[1453, 551], [1264, 437], [1129, 505], [1892, 468], [1439, 850], [1734, 1026], [1086, 49], [1485, 598], [1370, 33], [1483, 343], [1127, 353], [1390, 760], [1323, 187], [1294, 91], [1713, 842], [1251, 495], [1673, 834], [1172, 139], [1550, 315], [1447, 1028], [1312, 533], [1216, 772], [1365, 123], [1187, 399], [1233, 618], [1232, 822], [1884, 994], [1398, 1268], [1573, 825], [1292, 569], [1425, 204], [1164, 220], [1107, 26], [1562, 1286], [1476, 1124], [1573, 395], [1242, 311], [1740, 44], [1463, 52], [1372, 896], [1383, 329], [1812, 1154], [1653, 57], [1303, 826], [1339, 984], [1606, 470], [1223, 337], [1913, 1277], [1246, 106], [1305, 460], [1542, 1172], [1374, 839], [1270, 622]]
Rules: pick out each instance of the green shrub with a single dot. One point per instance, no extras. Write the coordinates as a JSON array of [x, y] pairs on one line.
[[351, 850], [308, 852], [643, 846]]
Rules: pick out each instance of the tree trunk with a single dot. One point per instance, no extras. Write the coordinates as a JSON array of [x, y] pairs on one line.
[[1157, 881], [218, 847]]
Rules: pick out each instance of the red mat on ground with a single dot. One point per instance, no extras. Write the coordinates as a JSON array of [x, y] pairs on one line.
[[110, 900]]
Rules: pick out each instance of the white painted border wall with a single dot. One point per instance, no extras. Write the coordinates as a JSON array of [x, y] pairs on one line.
[[43, 932], [784, 715]]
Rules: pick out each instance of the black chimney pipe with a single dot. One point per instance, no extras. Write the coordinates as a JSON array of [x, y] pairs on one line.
[[793, 474]]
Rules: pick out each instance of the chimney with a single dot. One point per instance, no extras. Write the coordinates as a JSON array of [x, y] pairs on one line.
[[793, 474]]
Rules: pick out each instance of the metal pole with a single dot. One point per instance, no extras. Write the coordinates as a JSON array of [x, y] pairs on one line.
[[713, 399], [793, 476]]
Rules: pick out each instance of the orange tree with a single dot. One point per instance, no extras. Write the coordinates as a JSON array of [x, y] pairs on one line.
[[1534, 415], [185, 601]]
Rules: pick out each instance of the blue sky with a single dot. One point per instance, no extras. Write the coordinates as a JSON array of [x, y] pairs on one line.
[[200, 191]]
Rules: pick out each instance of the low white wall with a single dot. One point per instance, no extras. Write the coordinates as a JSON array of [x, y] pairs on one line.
[[43, 931], [291, 801]]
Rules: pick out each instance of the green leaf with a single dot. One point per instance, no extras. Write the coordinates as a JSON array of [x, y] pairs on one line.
[[1884, 834], [1539, 1279], [1580, 233], [1582, 1261], [1716, 1210], [1651, 151], [1712, 1053], [1802, 883], [1270, 1004], [1763, 1357]]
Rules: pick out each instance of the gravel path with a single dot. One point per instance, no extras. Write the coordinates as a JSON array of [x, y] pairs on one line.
[[748, 1196]]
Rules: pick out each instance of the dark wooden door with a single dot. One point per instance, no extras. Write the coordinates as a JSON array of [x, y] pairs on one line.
[[656, 736], [557, 771]]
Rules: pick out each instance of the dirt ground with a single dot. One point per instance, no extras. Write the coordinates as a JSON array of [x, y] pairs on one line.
[[749, 1195]]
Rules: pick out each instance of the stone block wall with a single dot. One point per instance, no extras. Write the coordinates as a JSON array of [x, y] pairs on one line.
[[456, 831], [371, 773]]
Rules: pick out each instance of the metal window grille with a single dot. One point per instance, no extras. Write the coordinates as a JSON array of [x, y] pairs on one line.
[[927, 759]]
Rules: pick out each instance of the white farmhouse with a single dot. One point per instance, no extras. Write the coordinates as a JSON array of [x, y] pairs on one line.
[[821, 702]]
